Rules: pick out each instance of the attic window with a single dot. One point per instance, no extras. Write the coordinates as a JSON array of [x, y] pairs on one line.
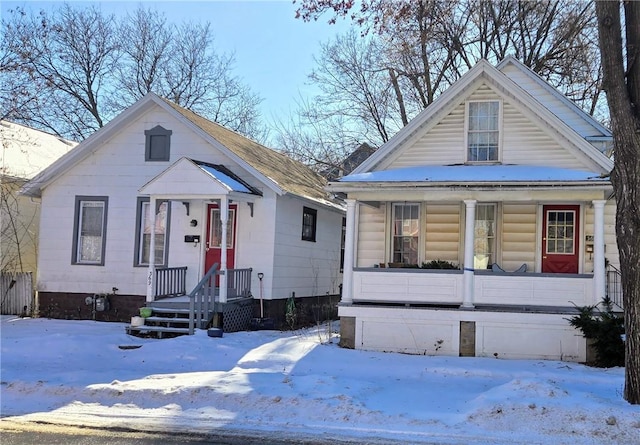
[[157, 144], [483, 131]]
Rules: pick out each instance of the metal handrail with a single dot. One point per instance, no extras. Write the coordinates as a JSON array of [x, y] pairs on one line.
[[614, 286]]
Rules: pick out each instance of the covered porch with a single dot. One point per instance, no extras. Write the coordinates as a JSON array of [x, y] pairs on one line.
[[198, 272]]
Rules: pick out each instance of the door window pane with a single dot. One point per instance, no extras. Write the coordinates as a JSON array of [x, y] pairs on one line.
[[560, 232], [215, 234]]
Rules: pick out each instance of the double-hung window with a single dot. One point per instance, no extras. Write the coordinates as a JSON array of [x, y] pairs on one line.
[[89, 229], [483, 131], [406, 230], [146, 228], [484, 236]]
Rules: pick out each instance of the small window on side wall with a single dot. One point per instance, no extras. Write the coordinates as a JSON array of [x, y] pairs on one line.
[[309, 222], [89, 230], [157, 144]]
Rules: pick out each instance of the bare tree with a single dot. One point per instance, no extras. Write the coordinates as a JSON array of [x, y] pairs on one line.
[[425, 46], [78, 68], [69, 57], [181, 64], [621, 68]]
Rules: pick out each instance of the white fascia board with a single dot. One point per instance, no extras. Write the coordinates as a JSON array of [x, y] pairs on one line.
[[510, 60], [508, 87]]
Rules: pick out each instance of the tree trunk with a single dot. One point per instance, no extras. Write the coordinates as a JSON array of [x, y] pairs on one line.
[[622, 88]]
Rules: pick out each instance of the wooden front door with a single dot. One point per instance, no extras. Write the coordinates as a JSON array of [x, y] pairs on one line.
[[214, 236], [560, 236]]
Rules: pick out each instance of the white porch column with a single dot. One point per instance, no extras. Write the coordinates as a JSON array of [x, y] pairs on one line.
[[599, 273], [152, 250], [469, 237], [349, 254], [224, 218]]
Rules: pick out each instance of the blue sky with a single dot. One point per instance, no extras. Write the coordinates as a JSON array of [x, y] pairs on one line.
[[273, 50]]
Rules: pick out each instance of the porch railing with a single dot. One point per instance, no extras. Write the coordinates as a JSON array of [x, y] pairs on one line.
[[170, 282], [238, 283], [614, 286], [202, 299]]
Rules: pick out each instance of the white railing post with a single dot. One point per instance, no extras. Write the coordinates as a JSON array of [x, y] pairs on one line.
[[349, 254], [224, 218], [469, 237]]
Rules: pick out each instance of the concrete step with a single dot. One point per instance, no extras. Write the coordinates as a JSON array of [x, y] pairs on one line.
[[147, 328], [166, 319]]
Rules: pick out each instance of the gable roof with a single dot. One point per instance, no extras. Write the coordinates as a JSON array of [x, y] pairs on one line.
[[190, 178], [27, 151], [273, 169], [485, 73], [289, 175]]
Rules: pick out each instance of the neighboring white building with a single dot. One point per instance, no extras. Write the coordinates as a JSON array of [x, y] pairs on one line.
[[24, 152], [505, 177], [96, 223]]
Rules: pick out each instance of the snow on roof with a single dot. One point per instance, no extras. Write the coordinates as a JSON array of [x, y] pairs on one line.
[[476, 173], [26, 151], [232, 183]]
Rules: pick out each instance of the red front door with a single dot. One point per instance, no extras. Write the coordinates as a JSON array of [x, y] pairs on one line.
[[560, 235], [214, 237]]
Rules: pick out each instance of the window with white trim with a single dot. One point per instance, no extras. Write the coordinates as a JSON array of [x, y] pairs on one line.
[[145, 228], [484, 236], [483, 131], [405, 233], [90, 223]]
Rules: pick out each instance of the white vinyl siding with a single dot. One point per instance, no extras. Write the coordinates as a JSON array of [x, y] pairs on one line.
[[518, 236], [442, 232], [523, 141], [371, 239]]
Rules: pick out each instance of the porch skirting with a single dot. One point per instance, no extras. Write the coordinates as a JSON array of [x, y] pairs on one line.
[[489, 332]]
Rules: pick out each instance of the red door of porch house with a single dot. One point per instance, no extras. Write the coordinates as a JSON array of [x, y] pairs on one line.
[[560, 237], [214, 237]]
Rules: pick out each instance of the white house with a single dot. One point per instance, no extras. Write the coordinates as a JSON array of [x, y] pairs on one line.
[[220, 198], [506, 179], [24, 152]]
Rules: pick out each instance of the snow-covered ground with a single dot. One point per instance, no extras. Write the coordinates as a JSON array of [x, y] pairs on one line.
[[301, 382]]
